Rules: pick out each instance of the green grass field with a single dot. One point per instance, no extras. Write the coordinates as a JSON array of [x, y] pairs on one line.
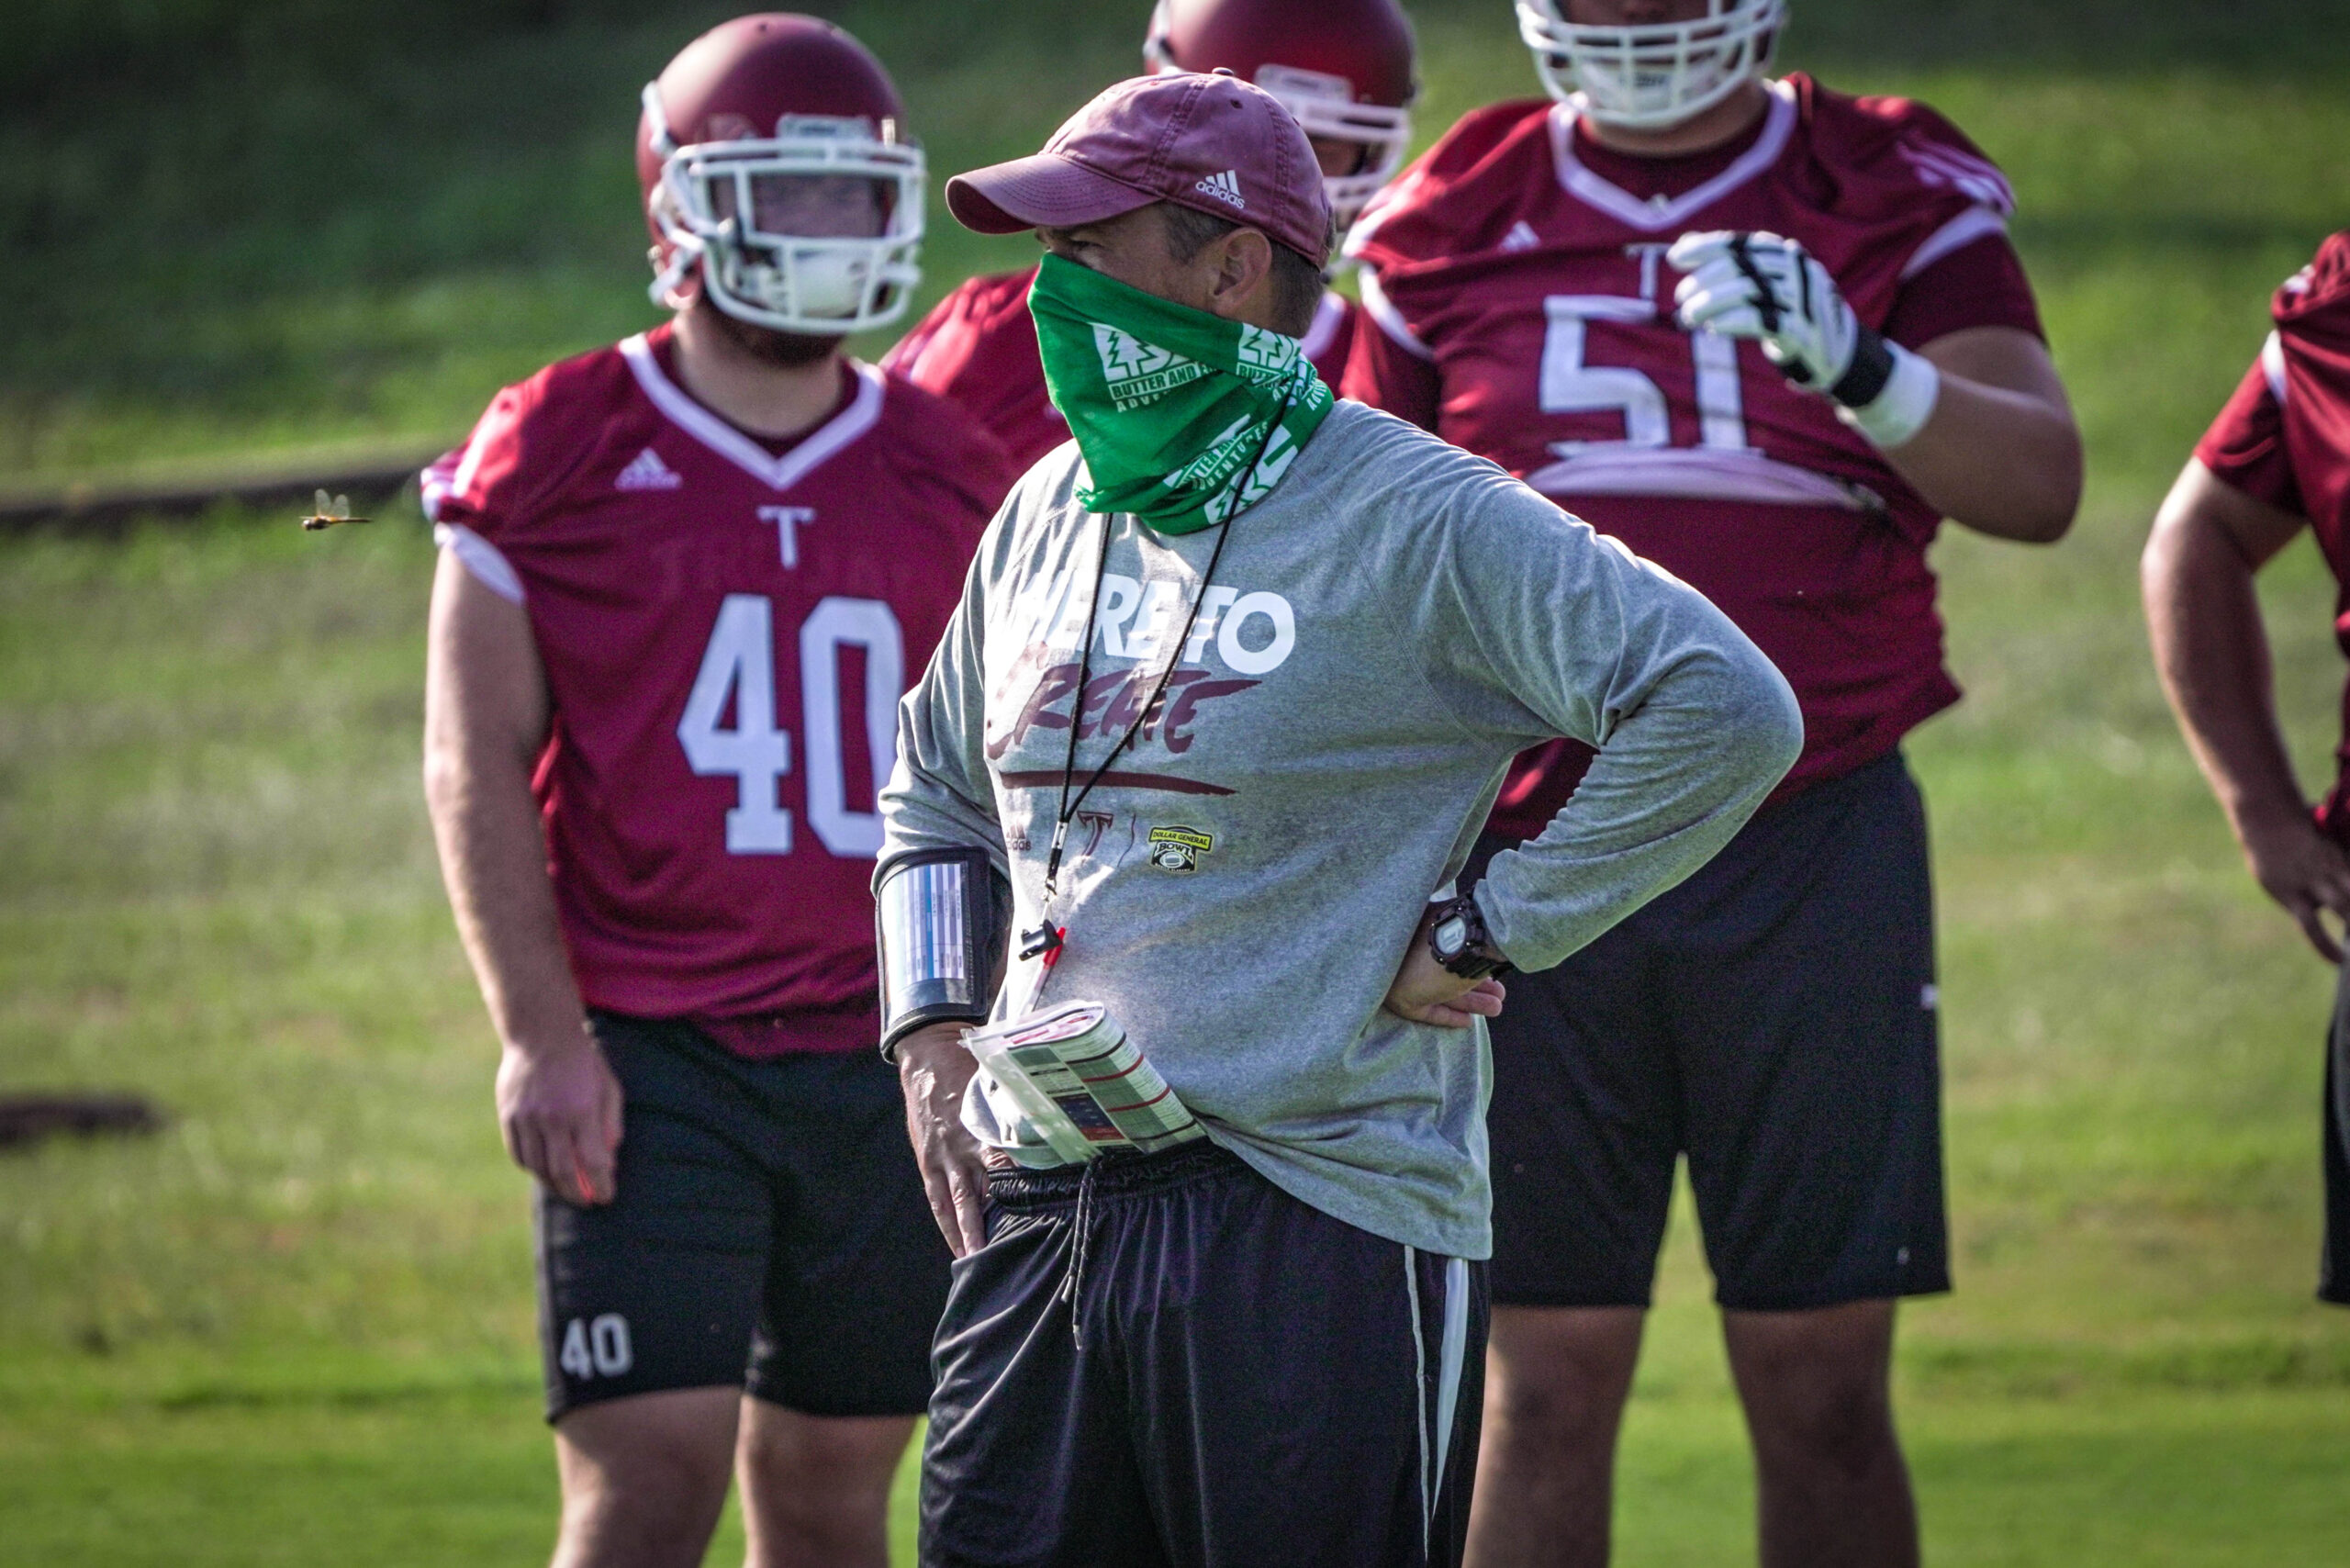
[[296, 1325]]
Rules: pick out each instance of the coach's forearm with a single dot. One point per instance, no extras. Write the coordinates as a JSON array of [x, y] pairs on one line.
[[1675, 782], [2000, 454]]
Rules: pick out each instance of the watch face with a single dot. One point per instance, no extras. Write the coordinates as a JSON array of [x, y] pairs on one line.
[[1449, 935]]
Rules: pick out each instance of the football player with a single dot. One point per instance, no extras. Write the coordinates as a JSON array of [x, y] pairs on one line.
[[1343, 67], [1769, 336], [2275, 462], [684, 580]]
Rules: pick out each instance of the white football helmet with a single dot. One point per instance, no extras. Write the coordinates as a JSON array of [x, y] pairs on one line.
[[1657, 75], [776, 170]]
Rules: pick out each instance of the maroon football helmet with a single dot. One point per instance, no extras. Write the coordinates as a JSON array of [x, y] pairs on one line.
[[1343, 67], [776, 167]]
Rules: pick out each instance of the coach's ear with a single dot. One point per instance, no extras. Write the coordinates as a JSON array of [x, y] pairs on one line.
[[1240, 275]]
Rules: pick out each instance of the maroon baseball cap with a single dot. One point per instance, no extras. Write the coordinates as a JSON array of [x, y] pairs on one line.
[[1213, 143]]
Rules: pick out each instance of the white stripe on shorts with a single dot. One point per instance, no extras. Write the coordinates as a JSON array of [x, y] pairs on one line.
[[1453, 1355]]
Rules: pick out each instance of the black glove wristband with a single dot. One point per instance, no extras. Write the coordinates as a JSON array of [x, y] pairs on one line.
[[1870, 369]]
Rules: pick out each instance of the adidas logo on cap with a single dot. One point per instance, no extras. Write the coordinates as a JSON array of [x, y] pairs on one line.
[[647, 471], [1225, 187]]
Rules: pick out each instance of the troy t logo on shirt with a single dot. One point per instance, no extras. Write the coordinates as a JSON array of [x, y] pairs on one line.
[[787, 521]]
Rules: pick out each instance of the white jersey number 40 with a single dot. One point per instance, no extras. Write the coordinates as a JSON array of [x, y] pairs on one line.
[[740, 663], [597, 1349]]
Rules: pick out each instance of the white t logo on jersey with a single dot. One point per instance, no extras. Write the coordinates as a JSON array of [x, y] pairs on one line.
[[787, 520]]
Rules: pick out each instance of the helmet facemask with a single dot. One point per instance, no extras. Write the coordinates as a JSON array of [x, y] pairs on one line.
[[813, 230], [1325, 106], [1657, 75]]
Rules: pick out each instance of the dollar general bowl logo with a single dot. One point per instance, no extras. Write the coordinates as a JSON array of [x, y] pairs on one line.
[[1139, 373], [1179, 848]]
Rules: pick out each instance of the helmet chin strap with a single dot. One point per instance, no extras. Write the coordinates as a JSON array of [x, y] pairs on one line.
[[668, 290]]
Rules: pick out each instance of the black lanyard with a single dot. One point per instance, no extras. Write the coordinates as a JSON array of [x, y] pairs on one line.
[[1044, 937]]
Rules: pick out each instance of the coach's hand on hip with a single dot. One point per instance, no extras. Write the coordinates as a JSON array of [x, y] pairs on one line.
[[934, 1069], [559, 1107], [1427, 992]]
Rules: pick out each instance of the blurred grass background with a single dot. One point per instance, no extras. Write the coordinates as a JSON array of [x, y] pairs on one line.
[[297, 1325]]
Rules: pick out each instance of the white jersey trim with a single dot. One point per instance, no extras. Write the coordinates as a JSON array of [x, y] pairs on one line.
[[451, 475], [2272, 366], [483, 560], [1694, 473], [1674, 212], [1377, 305], [1327, 314], [678, 406], [435, 485], [1974, 223]]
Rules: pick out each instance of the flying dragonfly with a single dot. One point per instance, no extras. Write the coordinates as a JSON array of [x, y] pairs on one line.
[[329, 511]]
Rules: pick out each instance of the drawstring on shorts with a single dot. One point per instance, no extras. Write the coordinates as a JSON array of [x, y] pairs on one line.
[[1084, 1224]]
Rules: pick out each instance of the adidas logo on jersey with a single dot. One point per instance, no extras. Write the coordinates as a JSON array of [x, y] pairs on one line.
[[1225, 187], [1520, 237], [647, 471]]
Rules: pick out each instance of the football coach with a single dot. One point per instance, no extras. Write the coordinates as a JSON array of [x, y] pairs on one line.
[[1235, 676]]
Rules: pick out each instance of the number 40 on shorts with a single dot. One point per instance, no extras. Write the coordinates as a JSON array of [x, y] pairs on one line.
[[596, 1348]]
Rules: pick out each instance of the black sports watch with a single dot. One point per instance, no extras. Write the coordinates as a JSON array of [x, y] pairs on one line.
[[1457, 940]]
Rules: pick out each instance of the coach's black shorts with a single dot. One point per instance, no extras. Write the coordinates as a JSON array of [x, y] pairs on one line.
[[1773, 1019], [2333, 1262], [770, 1234], [1257, 1382]]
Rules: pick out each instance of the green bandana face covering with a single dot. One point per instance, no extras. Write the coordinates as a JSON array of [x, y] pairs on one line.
[[1175, 409]]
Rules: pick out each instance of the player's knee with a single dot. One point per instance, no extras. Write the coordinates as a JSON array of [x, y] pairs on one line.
[[642, 1478], [1555, 1402], [821, 1478], [1842, 1427], [647, 1520]]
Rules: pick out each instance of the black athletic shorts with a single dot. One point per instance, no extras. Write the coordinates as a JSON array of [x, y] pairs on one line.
[[2333, 1261], [770, 1234], [1244, 1380], [1773, 1018]]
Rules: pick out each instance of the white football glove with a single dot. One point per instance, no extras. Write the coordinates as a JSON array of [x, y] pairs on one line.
[[1768, 288]]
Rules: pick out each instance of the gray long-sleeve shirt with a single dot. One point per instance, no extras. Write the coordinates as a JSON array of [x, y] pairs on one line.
[[1385, 631]]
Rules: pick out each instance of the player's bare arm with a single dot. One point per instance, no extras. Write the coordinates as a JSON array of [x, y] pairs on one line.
[[2000, 453], [485, 719], [2208, 541]]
